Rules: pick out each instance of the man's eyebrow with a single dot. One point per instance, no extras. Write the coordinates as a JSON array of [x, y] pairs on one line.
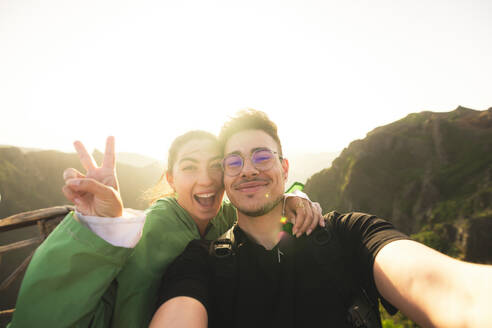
[[191, 159], [260, 148], [236, 152]]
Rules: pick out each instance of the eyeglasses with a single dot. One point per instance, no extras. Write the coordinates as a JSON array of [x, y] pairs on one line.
[[262, 160]]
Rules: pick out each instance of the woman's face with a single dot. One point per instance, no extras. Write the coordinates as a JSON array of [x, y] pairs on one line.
[[197, 178]]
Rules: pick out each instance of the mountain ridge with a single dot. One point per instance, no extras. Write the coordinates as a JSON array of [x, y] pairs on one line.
[[425, 172], [33, 180]]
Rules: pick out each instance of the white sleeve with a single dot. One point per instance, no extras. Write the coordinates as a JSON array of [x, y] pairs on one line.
[[295, 193], [123, 231]]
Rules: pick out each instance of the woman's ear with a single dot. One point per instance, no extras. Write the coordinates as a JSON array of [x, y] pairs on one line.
[[170, 179]]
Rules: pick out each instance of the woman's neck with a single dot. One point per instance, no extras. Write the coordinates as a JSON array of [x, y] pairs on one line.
[[202, 226]]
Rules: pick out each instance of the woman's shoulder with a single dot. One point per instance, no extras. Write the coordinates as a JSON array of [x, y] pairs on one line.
[[162, 204], [164, 207], [166, 211]]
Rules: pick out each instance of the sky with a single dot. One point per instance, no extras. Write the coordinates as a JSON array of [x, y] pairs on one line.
[[327, 72]]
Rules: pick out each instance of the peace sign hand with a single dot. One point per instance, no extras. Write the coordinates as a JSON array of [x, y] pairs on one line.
[[97, 192]]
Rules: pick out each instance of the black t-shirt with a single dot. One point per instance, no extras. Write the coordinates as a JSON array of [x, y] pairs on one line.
[[299, 283]]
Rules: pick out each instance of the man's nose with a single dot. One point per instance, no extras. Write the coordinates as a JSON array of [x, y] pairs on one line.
[[249, 169]]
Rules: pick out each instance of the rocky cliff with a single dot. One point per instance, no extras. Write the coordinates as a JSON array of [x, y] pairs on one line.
[[429, 173]]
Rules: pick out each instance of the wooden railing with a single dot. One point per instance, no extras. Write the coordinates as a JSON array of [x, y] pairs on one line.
[[46, 220]]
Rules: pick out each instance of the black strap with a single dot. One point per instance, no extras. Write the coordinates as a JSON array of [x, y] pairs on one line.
[[222, 251]]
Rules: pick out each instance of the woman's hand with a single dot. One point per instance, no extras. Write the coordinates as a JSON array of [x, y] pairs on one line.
[[303, 214], [97, 192]]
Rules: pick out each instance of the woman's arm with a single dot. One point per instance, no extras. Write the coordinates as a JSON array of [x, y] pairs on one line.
[[180, 312], [302, 213], [68, 278]]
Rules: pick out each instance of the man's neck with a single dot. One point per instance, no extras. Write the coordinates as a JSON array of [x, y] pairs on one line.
[[264, 230]]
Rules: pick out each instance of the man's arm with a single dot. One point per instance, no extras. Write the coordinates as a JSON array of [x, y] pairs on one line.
[[433, 289]]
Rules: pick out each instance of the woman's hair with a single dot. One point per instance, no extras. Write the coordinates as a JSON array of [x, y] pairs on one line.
[[162, 188]]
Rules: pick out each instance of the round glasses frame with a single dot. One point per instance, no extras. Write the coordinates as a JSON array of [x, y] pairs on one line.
[[262, 160]]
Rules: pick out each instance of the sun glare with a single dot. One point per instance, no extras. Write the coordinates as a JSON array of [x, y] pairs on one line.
[[327, 73]]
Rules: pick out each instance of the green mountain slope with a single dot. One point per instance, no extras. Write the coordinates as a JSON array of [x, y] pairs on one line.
[[429, 173], [33, 180]]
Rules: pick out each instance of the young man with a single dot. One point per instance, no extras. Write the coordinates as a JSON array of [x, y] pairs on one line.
[[333, 277]]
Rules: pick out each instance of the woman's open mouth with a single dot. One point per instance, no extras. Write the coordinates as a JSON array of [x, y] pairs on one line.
[[205, 199]]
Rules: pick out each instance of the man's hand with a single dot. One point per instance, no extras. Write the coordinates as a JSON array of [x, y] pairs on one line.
[[97, 192], [304, 214]]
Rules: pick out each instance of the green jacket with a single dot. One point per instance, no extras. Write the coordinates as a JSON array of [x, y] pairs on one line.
[[77, 279]]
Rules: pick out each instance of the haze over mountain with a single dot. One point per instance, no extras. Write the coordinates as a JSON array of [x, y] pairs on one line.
[[302, 166], [138, 160], [429, 173], [32, 178]]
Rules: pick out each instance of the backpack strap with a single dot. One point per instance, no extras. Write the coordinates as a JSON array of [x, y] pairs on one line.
[[223, 246], [222, 253]]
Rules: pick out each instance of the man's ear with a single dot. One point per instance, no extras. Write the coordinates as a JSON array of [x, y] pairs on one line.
[[170, 179], [285, 168]]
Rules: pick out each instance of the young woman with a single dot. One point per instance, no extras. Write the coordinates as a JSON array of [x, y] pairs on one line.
[[98, 269]]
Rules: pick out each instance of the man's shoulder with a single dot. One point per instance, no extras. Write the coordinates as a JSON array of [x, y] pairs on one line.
[[338, 217], [199, 246], [323, 244], [356, 222]]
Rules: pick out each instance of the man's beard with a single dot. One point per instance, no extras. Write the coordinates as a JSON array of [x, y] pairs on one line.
[[263, 210]]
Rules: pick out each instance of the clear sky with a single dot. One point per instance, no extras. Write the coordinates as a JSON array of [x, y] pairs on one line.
[[327, 72]]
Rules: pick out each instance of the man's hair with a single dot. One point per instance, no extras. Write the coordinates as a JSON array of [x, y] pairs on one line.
[[249, 119]]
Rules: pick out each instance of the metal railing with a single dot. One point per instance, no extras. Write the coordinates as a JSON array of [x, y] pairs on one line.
[[46, 220]]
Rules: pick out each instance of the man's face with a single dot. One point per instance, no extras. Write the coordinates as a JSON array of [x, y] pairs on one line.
[[252, 191]]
